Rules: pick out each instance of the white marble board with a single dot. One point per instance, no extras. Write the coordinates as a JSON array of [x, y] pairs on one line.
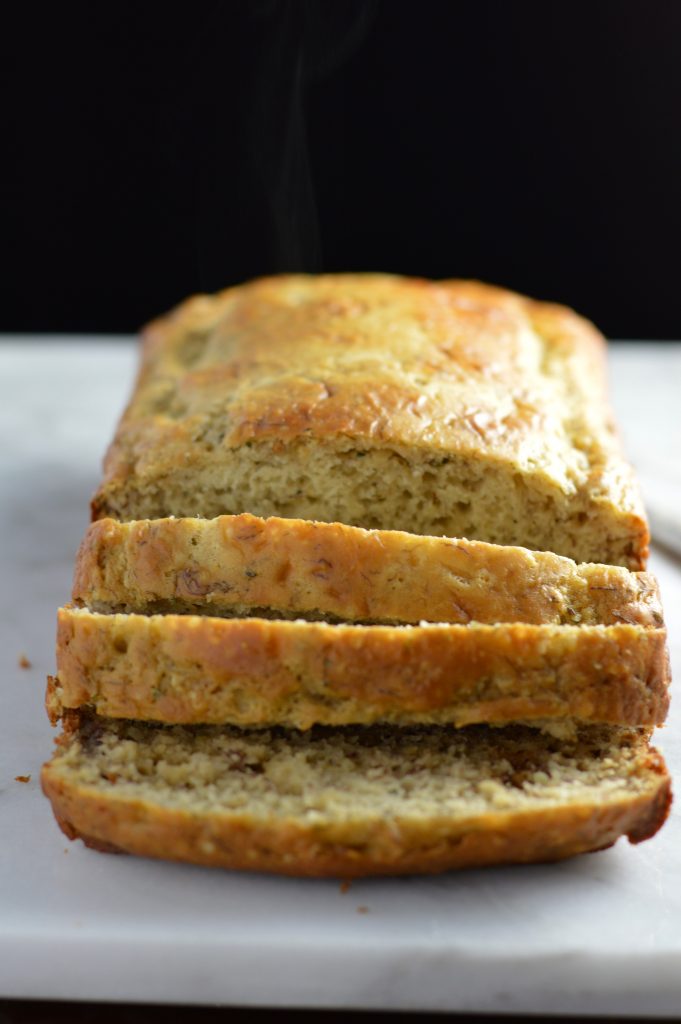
[[599, 934]]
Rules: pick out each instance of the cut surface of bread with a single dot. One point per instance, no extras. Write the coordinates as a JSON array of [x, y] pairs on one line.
[[249, 672], [289, 568], [356, 801], [435, 407]]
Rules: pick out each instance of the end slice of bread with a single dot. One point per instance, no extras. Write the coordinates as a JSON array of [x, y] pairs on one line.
[[243, 565], [189, 669], [352, 802]]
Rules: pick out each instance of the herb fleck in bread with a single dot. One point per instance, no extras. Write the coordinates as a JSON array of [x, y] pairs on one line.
[[440, 408], [353, 802], [243, 565], [251, 672]]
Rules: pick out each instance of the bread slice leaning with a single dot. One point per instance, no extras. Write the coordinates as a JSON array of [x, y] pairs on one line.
[[355, 801], [252, 672], [439, 407], [244, 565]]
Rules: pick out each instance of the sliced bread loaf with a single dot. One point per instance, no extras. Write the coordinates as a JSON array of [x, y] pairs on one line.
[[254, 672], [435, 407], [244, 565], [355, 801]]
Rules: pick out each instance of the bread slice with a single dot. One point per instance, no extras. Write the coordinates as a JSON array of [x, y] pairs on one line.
[[260, 672], [384, 402], [244, 565], [356, 801]]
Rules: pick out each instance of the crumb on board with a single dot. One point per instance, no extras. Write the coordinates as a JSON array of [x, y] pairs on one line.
[[22, 778], [362, 910], [25, 662], [345, 886]]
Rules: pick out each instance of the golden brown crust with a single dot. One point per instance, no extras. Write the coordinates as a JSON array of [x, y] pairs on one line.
[[294, 567], [196, 669], [342, 849], [428, 372]]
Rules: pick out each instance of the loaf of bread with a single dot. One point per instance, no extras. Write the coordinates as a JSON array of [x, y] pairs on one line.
[[261, 672], [282, 655], [439, 408], [353, 802], [243, 565]]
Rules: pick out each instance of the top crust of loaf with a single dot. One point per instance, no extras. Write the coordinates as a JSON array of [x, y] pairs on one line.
[[482, 413]]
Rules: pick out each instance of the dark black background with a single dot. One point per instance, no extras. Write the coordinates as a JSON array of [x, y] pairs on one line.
[[22, 1012], [156, 149]]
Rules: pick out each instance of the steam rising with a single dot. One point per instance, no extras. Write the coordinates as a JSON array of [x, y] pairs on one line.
[[268, 221]]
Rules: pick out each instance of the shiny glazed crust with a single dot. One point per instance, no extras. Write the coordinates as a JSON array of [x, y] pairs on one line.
[[435, 407], [237, 564], [249, 672], [367, 844]]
